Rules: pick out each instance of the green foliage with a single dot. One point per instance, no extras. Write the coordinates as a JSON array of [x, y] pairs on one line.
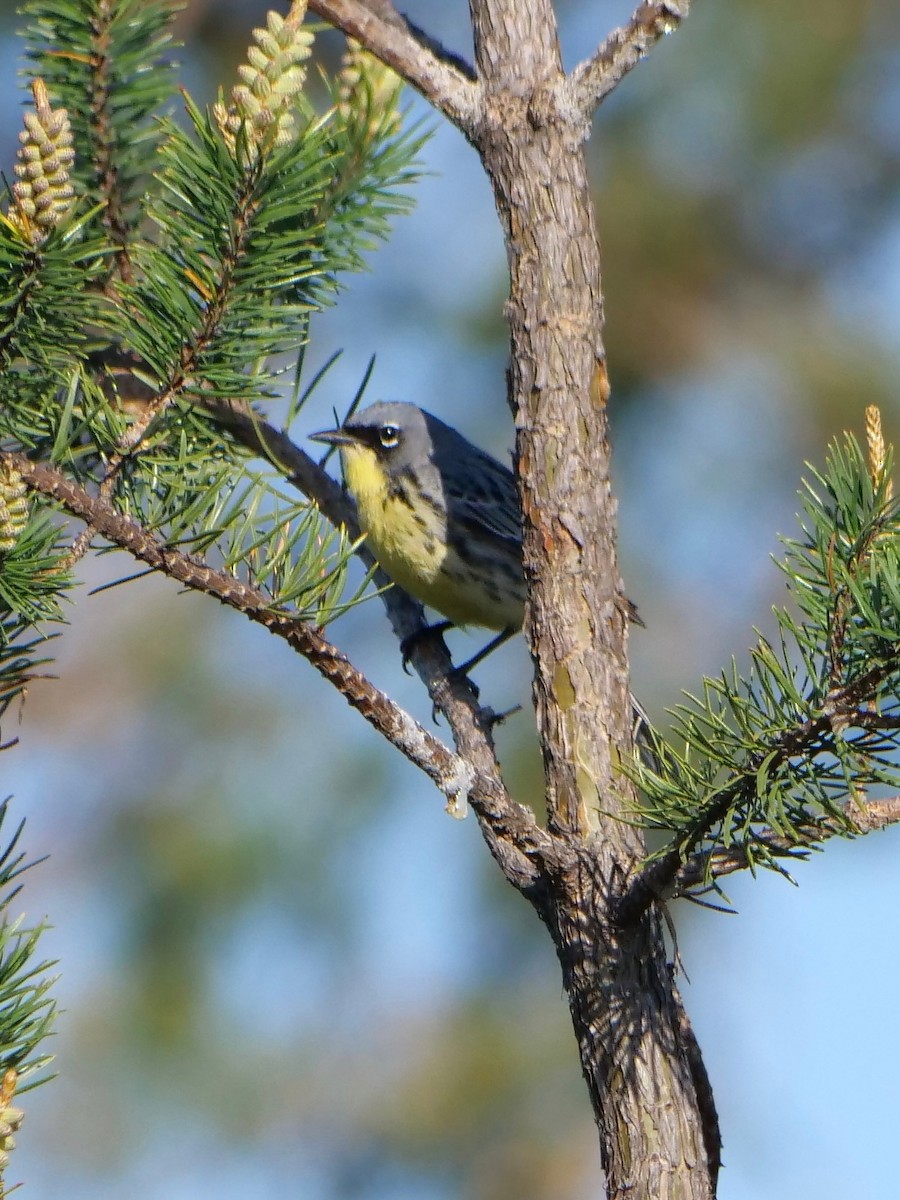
[[189, 271], [817, 719], [26, 1009], [105, 61], [33, 578], [238, 264], [45, 303], [368, 147]]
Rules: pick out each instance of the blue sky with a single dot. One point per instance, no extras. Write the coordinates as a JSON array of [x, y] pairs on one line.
[[793, 999]]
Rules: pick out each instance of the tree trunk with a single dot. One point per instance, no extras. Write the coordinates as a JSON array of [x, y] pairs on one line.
[[651, 1100], [648, 1087]]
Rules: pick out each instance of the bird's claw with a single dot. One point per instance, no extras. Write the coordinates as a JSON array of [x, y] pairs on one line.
[[425, 631], [494, 719]]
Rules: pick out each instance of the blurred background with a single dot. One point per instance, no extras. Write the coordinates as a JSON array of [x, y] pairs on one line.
[[284, 971]]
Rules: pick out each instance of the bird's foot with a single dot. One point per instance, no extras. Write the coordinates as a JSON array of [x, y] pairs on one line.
[[426, 631]]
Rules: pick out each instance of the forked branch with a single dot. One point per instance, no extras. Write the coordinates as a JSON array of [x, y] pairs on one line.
[[592, 81], [444, 79]]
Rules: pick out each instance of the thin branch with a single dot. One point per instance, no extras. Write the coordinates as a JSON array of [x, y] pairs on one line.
[[657, 878], [444, 79], [508, 823], [592, 81], [105, 149], [295, 465], [858, 816], [510, 829]]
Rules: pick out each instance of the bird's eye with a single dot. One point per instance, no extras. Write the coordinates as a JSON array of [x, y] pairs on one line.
[[389, 436]]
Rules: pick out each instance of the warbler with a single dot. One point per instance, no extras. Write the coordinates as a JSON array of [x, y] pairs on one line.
[[441, 516], [444, 521]]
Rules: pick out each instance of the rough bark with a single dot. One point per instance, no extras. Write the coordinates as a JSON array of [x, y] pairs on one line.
[[652, 1102], [645, 1077]]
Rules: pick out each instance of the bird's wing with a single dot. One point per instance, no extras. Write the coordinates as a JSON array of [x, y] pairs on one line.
[[492, 505]]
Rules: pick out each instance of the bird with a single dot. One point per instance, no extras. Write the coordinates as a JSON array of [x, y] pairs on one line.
[[440, 515], [444, 521]]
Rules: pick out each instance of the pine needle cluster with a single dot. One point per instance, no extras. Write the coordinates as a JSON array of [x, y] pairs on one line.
[[152, 262], [766, 763], [182, 265]]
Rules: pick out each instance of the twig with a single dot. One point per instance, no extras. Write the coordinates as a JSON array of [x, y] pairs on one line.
[[442, 78], [510, 829], [104, 147], [858, 816], [592, 81], [421, 747], [296, 466], [842, 706], [125, 446]]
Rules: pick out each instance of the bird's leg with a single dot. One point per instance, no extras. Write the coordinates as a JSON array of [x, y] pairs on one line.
[[503, 636], [408, 644]]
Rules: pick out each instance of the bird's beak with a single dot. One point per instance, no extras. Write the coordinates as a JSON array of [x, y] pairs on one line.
[[334, 437]]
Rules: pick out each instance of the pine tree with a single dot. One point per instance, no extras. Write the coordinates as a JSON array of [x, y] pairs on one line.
[[159, 280]]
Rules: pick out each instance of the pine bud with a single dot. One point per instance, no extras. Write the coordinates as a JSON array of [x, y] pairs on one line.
[[43, 193], [270, 80], [875, 443], [13, 507], [369, 92], [10, 1118]]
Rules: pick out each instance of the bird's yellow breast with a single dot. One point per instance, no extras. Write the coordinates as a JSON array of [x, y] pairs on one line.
[[408, 536], [408, 542]]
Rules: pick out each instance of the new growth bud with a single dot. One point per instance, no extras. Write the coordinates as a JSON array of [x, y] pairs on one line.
[[876, 448], [10, 1117], [43, 194], [271, 79], [368, 92], [13, 507]]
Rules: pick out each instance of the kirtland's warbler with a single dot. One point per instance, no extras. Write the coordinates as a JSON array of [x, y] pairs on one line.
[[441, 516], [444, 521]]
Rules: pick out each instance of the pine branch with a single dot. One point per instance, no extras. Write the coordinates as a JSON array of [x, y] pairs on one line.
[[442, 78], [768, 760], [183, 373], [45, 259], [683, 866], [27, 1011], [858, 816], [511, 829], [105, 60], [106, 159], [285, 209]]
